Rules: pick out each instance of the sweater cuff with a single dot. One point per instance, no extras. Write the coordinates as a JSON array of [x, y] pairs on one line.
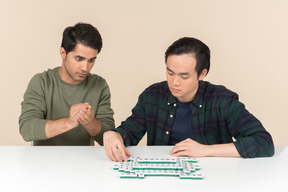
[[38, 130]]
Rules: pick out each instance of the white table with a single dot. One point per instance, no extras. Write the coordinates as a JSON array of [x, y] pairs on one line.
[[25, 168]]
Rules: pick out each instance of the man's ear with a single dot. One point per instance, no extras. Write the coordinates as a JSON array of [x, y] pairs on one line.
[[62, 53], [203, 74]]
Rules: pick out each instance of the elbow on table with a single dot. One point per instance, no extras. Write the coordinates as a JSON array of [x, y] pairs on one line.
[[266, 151], [24, 134], [271, 150], [25, 137], [258, 149], [265, 145]]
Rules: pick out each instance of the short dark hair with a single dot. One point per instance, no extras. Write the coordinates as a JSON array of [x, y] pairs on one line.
[[83, 33], [186, 45]]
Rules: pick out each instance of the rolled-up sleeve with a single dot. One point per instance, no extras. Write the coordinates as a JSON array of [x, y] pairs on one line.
[[33, 110], [252, 140]]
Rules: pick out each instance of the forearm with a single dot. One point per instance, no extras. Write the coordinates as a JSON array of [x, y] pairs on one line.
[[221, 150], [93, 128], [131, 137], [191, 148], [133, 129], [57, 127]]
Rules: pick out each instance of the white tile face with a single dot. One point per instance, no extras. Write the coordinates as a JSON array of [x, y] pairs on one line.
[[182, 167]]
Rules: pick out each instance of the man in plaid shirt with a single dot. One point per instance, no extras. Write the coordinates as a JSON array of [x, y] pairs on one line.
[[200, 119]]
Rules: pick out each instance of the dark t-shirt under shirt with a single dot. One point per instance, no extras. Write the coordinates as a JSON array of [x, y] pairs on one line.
[[182, 127]]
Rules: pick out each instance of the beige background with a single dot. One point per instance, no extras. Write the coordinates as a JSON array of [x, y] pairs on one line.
[[248, 40]]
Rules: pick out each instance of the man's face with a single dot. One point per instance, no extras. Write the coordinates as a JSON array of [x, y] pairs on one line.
[[182, 77], [77, 64]]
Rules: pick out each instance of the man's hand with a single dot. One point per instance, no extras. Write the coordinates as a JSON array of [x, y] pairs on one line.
[[85, 114], [78, 114], [189, 148], [112, 143]]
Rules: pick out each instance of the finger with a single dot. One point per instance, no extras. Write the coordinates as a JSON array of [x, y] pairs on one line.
[[108, 151], [123, 152], [127, 152], [83, 116], [175, 149], [81, 119], [116, 154], [76, 107], [83, 105], [87, 113], [110, 154], [180, 153], [109, 147], [86, 106], [73, 112], [178, 148]]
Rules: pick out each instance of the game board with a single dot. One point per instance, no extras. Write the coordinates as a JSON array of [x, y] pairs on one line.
[[136, 167]]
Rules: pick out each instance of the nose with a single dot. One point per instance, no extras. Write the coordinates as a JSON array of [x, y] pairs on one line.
[[84, 66], [176, 81]]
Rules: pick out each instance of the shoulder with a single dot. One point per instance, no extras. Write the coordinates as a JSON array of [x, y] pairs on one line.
[[157, 89], [97, 84], [217, 95], [96, 79], [46, 77], [217, 91], [155, 93]]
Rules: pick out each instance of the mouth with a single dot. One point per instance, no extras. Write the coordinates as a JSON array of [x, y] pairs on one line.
[[175, 90], [82, 74]]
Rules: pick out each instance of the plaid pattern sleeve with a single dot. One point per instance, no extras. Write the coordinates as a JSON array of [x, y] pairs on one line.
[[252, 140], [217, 117], [152, 115]]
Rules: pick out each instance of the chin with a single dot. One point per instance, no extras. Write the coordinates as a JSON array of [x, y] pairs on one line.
[[175, 94]]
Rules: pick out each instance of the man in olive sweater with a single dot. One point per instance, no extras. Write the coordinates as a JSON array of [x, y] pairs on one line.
[[67, 105]]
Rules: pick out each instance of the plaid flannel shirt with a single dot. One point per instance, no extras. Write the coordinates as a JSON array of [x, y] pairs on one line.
[[217, 117]]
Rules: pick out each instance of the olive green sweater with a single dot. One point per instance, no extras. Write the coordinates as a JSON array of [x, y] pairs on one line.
[[49, 98]]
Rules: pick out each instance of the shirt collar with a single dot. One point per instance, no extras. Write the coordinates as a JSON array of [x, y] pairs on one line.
[[171, 98], [198, 99]]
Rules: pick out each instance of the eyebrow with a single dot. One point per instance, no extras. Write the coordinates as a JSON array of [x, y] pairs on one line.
[[84, 57], [185, 73]]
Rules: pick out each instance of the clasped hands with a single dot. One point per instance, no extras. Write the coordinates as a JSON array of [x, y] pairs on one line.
[[81, 113]]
